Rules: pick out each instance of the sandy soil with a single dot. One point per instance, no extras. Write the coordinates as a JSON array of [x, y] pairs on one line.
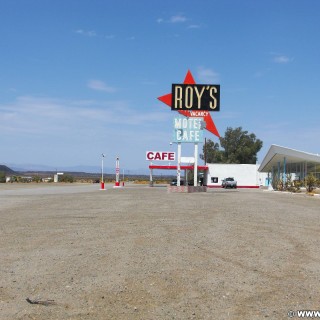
[[141, 253]]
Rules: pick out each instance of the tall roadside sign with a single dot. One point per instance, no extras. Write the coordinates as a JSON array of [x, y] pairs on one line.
[[195, 102], [195, 112]]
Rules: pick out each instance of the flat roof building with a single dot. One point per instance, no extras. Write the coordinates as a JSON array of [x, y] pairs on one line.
[[280, 161]]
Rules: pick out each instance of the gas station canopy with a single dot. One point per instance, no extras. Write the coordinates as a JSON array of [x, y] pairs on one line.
[[294, 161]]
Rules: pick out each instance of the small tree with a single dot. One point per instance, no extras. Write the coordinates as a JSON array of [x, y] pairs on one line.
[[310, 182], [238, 147]]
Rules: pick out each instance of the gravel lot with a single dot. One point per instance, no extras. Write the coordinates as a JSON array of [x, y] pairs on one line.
[[141, 253]]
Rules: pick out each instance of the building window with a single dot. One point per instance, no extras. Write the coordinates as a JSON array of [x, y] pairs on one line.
[[214, 179]]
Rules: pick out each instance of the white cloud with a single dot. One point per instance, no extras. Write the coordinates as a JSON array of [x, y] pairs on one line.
[[280, 58], [91, 33], [179, 18], [207, 75], [47, 116], [100, 86], [67, 132], [87, 33]]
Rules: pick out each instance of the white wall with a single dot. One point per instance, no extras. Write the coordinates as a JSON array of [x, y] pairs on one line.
[[246, 175]]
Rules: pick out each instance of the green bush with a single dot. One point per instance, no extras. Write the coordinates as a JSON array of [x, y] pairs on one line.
[[66, 178], [292, 186], [2, 177], [36, 179], [288, 185], [310, 182]]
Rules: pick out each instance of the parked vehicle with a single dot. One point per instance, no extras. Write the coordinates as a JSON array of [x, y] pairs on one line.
[[174, 182], [229, 183]]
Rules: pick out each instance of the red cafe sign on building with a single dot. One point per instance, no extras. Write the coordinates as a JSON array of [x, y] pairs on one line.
[[160, 156]]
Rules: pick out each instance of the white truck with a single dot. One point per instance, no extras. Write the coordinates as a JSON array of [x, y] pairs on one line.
[[229, 183]]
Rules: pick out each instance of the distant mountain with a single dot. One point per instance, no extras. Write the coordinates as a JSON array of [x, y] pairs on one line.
[[78, 168], [87, 169], [40, 167], [107, 170], [6, 169], [31, 167]]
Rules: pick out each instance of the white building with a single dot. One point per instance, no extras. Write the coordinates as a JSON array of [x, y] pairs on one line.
[[278, 162], [246, 175]]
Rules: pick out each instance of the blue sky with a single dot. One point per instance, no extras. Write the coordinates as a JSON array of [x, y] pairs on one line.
[[82, 77]]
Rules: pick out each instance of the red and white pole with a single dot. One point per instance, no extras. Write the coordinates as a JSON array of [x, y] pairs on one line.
[[102, 181], [117, 184]]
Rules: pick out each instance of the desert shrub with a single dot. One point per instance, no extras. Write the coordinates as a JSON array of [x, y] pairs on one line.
[[310, 182], [292, 186], [288, 185], [36, 179], [66, 178], [278, 184], [298, 184], [2, 177]]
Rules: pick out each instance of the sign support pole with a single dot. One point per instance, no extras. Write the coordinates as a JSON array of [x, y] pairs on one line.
[[195, 177], [117, 184], [102, 181], [151, 179], [179, 162]]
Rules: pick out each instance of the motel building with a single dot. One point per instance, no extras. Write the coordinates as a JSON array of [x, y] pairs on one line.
[[279, 162]]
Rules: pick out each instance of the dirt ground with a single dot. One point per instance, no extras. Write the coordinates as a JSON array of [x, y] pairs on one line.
[[141, 253]]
